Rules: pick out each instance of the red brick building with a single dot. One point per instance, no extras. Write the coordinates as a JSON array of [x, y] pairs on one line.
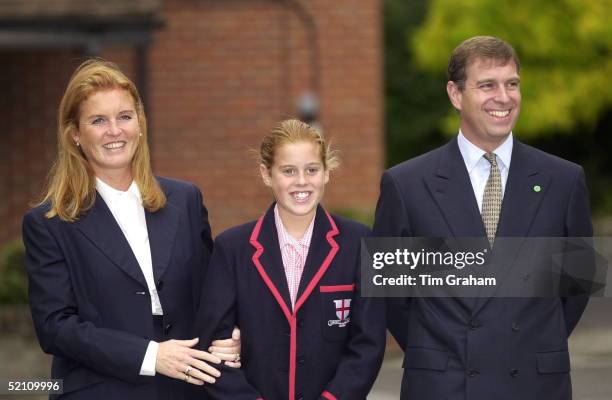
[[215, 75]]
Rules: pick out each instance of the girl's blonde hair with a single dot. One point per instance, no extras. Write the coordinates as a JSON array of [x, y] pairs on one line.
[[291, 131], [71, 184]]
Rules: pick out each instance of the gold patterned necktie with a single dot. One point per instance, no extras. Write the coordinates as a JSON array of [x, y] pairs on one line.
[[492, 199]]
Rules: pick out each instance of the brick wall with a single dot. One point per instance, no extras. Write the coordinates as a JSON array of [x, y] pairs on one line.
[[32, 85], [225, 71], [221, 74]]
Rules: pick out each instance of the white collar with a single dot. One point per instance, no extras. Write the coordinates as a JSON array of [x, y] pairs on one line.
[[472, 154], [110, 194]]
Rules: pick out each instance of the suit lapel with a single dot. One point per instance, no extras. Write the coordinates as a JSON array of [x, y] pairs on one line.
[[521, 200], [318, 250], [322, 251], [519, 208], [268, 258], [100, 227], [452, 191], [162, 227], [271, 259]]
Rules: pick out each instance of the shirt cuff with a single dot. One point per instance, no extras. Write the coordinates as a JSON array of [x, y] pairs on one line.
[[148, 364]]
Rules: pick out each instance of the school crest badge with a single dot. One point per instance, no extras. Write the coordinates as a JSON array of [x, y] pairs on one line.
[[343, 310]]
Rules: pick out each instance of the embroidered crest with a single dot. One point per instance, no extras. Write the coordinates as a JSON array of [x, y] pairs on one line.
[[343, 309]]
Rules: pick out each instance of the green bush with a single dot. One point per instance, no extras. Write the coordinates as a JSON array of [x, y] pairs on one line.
[[365, 216], [13, 279]]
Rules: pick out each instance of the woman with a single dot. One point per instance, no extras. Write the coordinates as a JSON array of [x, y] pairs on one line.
[[115, 256], [291, 282]]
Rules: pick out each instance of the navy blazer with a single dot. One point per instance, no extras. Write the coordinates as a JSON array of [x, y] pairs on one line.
[[89, 299], [486, 348], [329, 346]]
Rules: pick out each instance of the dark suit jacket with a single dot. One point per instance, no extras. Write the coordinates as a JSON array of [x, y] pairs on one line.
[[313, 351], [489, 348], [89, 299]]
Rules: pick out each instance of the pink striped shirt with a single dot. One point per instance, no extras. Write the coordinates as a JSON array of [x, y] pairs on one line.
[[294, 254]]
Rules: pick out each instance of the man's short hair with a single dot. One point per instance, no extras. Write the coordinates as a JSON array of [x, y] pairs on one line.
[[484, 47]]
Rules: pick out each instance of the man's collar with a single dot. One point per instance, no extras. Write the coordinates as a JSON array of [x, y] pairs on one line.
[[472, 154]]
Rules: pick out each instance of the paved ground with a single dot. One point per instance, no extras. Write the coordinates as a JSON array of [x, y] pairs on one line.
[[591, 351]]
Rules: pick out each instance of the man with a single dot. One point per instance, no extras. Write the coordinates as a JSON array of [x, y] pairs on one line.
[[484, 183]]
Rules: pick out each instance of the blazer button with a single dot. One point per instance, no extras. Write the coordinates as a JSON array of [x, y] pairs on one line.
[[515, 327], [167, 329], [472, 373], [300, 360], [514, 372], [474, 325], [160, 286]]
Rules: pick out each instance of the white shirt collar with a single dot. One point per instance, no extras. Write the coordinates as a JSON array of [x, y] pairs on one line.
[[110, 194], [472, 154]]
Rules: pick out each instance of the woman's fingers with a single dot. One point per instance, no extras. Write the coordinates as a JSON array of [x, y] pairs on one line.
[[204, 355], [193, 377], [227, 349], [198, 376], [225, 344], [176, 359], [232, 364], [186, 342]]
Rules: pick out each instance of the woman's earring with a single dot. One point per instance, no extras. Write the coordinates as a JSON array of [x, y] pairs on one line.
[[78, 144], [140, 134]]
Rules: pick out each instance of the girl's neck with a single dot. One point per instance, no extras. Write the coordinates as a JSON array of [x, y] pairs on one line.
[[296, 225]]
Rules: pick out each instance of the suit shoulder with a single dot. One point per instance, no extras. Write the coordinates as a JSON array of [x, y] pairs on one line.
[[550, 161], [237, 234], [417, 165], [35, 221], [181, 193], [175, 185], [36, 213], [348, 226], [40, 209]]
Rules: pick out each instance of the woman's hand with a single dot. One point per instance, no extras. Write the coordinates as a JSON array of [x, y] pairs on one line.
[[177, 359], [228, 350]]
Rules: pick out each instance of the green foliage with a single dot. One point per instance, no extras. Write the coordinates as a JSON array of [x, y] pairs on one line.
[[565, 47], [365, 216], [13, 279], [415, 100]]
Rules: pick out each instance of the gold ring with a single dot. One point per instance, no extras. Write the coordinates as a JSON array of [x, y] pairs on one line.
[[187, 370], [237, 358], [187, 378]]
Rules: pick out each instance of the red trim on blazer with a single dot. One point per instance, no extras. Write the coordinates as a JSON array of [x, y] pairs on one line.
[[292, 316], [337, 288], [262, 271], [328, 395]]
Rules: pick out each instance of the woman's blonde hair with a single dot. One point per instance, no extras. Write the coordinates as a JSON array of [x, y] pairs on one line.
[[71, 184], [291, 131]]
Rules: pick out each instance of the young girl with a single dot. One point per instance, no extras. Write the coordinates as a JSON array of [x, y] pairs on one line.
[[290, 281]]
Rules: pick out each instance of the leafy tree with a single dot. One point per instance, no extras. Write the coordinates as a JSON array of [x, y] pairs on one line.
[[415, 100], [13, 279], [565, 47]]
